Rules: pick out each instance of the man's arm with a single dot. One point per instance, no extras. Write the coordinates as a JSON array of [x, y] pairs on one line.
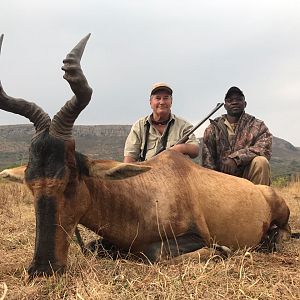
[[129, 159], [191, 146], [209, 149], [192, 150], [133, 144], [262, 147]]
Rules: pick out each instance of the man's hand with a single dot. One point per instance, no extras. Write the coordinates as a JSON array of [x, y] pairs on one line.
[[229, 166], [192, 150]]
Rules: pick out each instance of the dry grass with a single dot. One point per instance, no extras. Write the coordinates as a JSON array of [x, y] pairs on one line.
[[246, 275]]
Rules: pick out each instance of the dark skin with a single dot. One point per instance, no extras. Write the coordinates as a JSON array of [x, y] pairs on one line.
[[235, 106]]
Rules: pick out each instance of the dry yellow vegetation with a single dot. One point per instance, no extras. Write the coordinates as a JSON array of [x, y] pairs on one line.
[[245, 275]]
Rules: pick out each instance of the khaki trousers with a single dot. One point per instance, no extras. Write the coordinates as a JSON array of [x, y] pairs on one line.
[[258, 171]]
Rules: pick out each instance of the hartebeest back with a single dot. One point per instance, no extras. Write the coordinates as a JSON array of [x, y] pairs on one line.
[[162, 207]]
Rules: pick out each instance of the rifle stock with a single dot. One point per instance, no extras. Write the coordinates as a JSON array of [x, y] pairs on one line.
[[185, 138]]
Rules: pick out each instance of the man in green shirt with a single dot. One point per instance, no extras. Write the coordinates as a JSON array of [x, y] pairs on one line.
[[160, 128]]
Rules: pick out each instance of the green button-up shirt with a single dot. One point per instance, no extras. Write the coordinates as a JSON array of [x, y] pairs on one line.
[[135, 141]]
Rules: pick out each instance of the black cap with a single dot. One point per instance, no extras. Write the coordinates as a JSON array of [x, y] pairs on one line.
[[234, 91]]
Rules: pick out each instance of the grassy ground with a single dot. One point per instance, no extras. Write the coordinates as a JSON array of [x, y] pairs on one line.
[[245, 275]]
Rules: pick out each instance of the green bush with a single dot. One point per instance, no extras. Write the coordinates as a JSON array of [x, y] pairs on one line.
[[281, 181]]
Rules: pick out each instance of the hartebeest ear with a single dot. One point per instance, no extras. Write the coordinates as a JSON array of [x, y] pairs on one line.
[[14, 174], [112, 170]]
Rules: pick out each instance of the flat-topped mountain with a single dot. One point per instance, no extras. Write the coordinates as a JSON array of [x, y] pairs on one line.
[[96, 141], [107, 142]]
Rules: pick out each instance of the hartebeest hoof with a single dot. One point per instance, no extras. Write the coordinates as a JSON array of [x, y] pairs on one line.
[[36, 270], [223, 251], [274, 238]]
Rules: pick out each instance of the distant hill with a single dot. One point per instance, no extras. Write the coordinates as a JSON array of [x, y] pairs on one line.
[[107, 142], [285, 158], [96, 141]]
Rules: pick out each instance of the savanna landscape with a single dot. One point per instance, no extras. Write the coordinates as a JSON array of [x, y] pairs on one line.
[[245, 275], [206, 44]]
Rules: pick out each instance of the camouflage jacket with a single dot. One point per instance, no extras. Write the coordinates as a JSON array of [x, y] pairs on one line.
[[251, 138]]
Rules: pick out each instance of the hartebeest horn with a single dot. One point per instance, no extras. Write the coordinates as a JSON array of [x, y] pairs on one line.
[[63, 121], [29, 110], [1, 40]]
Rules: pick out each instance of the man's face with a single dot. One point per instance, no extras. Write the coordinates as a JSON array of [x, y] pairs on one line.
[[161, 102], [235, 105]]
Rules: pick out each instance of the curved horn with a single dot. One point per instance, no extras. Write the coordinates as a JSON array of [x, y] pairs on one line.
[[29, 110], [63, 121], [1, 40]]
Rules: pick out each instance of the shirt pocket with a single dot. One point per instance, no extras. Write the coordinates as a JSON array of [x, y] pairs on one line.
[[151, 144]]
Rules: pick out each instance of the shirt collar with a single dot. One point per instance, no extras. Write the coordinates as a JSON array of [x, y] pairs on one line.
[[148, 119]]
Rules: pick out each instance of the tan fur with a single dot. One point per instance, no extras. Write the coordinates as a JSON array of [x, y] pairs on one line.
[[166, 200], [134, 206], [14, 174], [174, 195]]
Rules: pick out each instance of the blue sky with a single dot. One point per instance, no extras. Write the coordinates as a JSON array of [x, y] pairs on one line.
[[200, 48]]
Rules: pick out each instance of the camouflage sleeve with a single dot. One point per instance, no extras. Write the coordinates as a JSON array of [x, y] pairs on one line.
[[209, 148], [262, 146]]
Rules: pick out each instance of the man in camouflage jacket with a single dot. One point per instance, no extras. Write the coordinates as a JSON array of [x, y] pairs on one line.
[[238, 143]]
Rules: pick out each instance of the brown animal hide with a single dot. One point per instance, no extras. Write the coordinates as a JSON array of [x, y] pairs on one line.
[[160, 208]]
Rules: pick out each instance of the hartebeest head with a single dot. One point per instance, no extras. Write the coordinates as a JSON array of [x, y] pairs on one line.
[[52, 173]]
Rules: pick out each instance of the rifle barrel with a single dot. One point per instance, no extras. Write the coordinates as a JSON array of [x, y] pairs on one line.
[[184, 139]]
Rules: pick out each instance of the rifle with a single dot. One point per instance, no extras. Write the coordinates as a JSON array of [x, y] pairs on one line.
[[184, 139]]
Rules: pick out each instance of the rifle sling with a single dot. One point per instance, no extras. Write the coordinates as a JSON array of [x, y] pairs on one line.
[[163, 140], [146, 135]]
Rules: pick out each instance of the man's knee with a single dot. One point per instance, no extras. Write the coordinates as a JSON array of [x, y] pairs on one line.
[[258, 171], [260, 162]]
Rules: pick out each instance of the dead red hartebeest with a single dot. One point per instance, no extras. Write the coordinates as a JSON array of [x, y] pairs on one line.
[[163, 207]]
